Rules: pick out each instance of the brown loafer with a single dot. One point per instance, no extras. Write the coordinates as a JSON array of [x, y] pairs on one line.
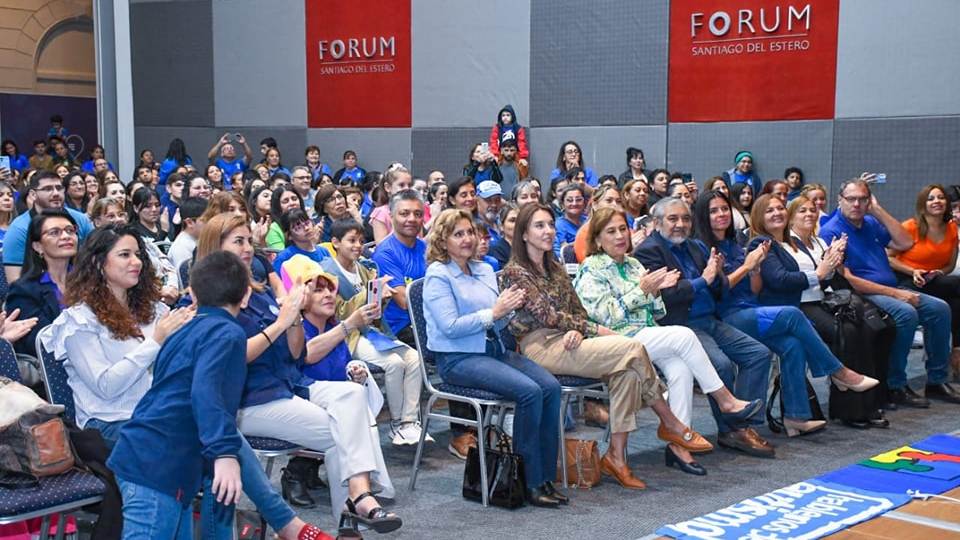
[[621, 474], [748, 442], [689, 439]]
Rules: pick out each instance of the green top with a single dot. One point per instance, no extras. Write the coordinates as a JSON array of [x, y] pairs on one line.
[[275, 238], [611, 294]]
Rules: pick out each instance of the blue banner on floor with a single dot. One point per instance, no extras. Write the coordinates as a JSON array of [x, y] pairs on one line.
[[808, 509], [929, 466]]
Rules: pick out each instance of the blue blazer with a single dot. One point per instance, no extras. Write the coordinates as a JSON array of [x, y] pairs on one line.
[[34, 299], [783, 282], [459, 307]]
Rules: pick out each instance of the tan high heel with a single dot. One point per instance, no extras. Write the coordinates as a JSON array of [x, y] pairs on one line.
[[862, 386], [796, 428]]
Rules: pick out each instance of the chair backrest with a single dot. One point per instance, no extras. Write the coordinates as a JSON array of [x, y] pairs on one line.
[[368, 249], [419, 324], [569, 257], [55, 378], [8, 362]]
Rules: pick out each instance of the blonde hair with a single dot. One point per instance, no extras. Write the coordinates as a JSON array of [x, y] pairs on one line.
[[440, 230]]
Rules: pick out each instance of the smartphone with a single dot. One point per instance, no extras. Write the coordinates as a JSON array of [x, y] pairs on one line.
[[236, 136], [687, 177], [642, 221], [374, 292], [881, 178], [485, 147], [5, 163]]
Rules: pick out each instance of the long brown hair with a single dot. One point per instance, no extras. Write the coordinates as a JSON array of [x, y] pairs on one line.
[[519, 254], [87, 284], [757, 227], [921, 208]]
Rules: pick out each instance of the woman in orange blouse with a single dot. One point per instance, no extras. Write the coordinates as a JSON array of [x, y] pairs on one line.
[[925, 266]]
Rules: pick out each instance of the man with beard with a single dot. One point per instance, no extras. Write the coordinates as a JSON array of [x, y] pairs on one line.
[[489, 203], [49, 192], [512, 170]]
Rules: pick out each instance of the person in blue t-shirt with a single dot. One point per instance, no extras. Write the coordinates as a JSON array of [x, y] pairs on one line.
[[302, 236], [350, 172], [224, 155], [569, 157], [18, 161], [311, 157], [402, 256], [49, 193], [573, 201], [870, 230]]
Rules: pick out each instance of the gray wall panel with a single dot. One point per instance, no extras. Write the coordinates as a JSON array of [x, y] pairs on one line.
[[898, 58], [445, 149], [604, 148], [259, 63], [912, 151], [598, 63], [375, 148], [172, 61], [291, 141], [469, 60], [708, 149]]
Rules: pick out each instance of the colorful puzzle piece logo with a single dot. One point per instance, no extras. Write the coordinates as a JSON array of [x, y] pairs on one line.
[[911, 460]]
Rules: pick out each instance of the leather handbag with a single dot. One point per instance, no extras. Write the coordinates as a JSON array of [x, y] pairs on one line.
[[506, 482], [583, 463], [33, 437]]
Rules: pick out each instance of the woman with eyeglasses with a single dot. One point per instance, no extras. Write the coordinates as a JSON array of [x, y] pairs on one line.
[[330, 204], [573, 202], [301, 238], [52, 243], [571, 156]]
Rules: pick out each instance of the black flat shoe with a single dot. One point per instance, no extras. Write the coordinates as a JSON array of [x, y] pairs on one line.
[[908, 397], [672, 460], [294, 490], [552, 491], [943, 392], [377, 519], [742, 417], [856, 424], [538, 497]]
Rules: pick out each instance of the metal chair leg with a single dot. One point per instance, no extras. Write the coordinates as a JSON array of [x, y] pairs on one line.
[[564, 400], [269, 468], [423, 431], [61, 527], [481, 450]]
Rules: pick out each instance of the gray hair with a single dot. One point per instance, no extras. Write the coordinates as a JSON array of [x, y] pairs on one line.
[[405, 195], [293, 170], [854, 182], [660, 209]]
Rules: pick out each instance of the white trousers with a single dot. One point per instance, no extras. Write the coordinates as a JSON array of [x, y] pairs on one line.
[[402, 380], [681, 358], [335, 421]]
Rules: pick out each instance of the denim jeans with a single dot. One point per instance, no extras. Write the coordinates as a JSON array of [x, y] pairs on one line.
[[217, 519], [536, 392], [741, 361], [799, 346], [934, 314], [148, 513]]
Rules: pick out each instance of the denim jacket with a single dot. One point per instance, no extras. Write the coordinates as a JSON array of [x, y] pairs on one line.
[[459, 307]]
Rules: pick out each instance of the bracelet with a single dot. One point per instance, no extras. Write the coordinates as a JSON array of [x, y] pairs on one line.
[[346, 332], [264, 334]]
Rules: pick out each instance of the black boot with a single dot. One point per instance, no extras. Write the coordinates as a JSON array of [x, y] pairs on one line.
[[311, 468], [293, 484]]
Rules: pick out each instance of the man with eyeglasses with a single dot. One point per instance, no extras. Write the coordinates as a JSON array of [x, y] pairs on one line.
[[870, 230], [301, 180], [48, 192]]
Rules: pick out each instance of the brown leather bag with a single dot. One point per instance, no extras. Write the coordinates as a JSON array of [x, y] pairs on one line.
[[583, 463], [33, 437]]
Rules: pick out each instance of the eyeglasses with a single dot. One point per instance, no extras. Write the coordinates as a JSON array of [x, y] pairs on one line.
[[307, 177], [51, 189], [571, 151], [854, 200], [338, 197], [57, 232]]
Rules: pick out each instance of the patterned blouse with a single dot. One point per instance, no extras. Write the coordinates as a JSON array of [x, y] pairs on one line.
[[550, 303], [612, 296]]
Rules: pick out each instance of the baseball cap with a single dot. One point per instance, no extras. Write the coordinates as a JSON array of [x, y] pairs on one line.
[[489, 188]]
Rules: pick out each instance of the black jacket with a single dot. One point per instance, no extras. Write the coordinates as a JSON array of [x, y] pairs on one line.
[[34, 299]]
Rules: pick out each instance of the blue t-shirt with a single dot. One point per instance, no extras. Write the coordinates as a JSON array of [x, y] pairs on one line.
[[355, 174], [318, 255], [566, 233], [333, 366], [15, 240], [230, 168], [404, 265], [866, 254]]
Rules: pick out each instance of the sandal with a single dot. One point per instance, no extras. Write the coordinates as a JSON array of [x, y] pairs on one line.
[[377, 519]]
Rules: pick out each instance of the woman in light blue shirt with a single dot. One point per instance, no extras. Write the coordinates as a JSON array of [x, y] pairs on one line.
[[465, 312]]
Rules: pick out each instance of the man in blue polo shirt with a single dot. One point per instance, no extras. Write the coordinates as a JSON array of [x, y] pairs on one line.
[[403, 256], [870, 230], [49, 193], [224, 155]]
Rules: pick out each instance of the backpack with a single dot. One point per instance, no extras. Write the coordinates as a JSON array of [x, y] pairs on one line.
[[33, 437]]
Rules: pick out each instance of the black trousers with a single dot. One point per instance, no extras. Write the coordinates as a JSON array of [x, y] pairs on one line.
[[863, 351], [946, 288]]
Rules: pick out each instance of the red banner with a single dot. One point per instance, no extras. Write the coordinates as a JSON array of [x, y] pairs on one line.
[[358, 63], [734, 60]]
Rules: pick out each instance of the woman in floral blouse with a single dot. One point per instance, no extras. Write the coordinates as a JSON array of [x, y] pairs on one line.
[[554, 331], [619, 293]]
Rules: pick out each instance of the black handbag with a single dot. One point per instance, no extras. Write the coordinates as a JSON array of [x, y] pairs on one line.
[[775, 422], [505, 476], [837, 300]]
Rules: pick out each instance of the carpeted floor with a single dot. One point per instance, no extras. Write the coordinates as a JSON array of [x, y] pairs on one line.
[[436, 509]]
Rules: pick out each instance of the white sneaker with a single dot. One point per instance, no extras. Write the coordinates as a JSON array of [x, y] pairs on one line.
[[397, 437], [412, 430]]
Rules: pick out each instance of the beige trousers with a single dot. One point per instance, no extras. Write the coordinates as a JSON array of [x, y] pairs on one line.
[[620, 361]]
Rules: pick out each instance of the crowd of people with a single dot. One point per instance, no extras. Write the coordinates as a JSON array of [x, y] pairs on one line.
[[649, 280]]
